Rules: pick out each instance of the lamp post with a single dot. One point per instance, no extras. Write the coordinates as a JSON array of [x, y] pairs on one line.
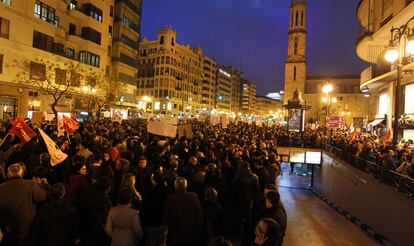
[[90, 90], [328, 88], [400, 48]]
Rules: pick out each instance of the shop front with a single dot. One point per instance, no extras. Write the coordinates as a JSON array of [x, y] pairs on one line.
[[8, 107]]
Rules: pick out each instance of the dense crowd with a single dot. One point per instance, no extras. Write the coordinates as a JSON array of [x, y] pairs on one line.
[[123, 186], [378, 150]]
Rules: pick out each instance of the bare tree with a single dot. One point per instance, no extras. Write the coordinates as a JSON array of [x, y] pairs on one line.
[[54, 80], [102, 93]]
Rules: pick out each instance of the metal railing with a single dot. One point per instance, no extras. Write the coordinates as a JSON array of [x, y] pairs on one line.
[[401, 182]]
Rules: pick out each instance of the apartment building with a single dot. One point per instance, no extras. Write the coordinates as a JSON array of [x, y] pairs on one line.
[[170, 75], [248, 97], [60, 33]]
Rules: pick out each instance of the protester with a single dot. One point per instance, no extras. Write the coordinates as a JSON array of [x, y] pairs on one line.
[[123, 224], [20, 196], [183, 216]]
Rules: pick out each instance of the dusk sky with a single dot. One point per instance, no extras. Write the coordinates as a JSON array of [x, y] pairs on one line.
[[252, 34]]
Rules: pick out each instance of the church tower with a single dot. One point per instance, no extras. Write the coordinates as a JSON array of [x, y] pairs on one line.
[[295, 64]]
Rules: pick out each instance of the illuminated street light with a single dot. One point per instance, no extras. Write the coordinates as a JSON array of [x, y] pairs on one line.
[[324, 99], [327, 88], [334, 100], [391, 55]]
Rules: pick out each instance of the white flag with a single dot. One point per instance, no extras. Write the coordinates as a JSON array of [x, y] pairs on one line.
[[351, 128], [56, 155]]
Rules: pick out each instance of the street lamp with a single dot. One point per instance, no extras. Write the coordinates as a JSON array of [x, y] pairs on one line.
[[89, 90], [400, 48], [328, 88]]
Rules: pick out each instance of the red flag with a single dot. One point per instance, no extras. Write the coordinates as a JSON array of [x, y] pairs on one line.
[[22, 130], [69, 124], [354, 136], [388, 135]]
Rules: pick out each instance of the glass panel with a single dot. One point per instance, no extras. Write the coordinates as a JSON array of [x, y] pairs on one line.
[[409, 99]]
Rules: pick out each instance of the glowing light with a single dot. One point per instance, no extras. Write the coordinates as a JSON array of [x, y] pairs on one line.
[[391, 55], [327, 88]]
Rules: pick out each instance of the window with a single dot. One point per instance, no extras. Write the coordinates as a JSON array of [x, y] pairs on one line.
[[37, 71], [109, 50], [409, 99], [294, 73], [72, 29], [111, 11], [43, 41], [60, 76], [297, 17], [70, 53], [162, 40], [92, 11], [46, 13], [1, 63], [73, 4], [295, 47], [4, 28], [110, 31], [91, 35], [291, 20], [8, 2], [301, 19], [383, 103], [172, 41], [89, 58]]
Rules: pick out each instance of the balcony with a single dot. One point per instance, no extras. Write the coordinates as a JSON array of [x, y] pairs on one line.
[[376, 76]]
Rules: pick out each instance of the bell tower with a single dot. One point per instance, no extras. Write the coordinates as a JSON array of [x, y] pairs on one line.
[[295, 63]]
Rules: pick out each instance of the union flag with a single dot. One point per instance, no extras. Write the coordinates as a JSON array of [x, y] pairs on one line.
[[70, 124], [22, 130]]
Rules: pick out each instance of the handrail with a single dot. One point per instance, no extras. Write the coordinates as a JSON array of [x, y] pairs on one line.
[[401, 182]]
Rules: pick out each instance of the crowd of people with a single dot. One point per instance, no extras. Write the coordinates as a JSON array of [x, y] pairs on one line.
[[378, 150], [120, 185]]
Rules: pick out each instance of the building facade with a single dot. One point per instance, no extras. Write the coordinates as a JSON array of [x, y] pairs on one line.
[[224, 88], [345, 100], [125, 34], [267, 106], [37, 32], [170, 74], [248, 97], [209, 84], [377, 18]]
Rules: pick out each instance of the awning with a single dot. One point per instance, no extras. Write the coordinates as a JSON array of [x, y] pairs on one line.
[[375, 122]]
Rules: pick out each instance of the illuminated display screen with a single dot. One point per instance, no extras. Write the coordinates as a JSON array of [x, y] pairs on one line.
[[297, 156], [313, 157]]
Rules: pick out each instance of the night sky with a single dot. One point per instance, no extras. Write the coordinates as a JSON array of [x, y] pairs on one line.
[[252, 34]]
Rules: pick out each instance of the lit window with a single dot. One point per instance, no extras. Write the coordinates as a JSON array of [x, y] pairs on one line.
[[409, 99], [8, 2], [383, 103]]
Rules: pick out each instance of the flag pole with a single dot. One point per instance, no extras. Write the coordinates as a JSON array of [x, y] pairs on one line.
[[4, 139]]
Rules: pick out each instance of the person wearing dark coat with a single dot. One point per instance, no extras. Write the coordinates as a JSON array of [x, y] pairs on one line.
[[153, 204], [20, 196], [97, 210], [274, 210], [57, 222], [183, 216], [268, 233], [213, 214]]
